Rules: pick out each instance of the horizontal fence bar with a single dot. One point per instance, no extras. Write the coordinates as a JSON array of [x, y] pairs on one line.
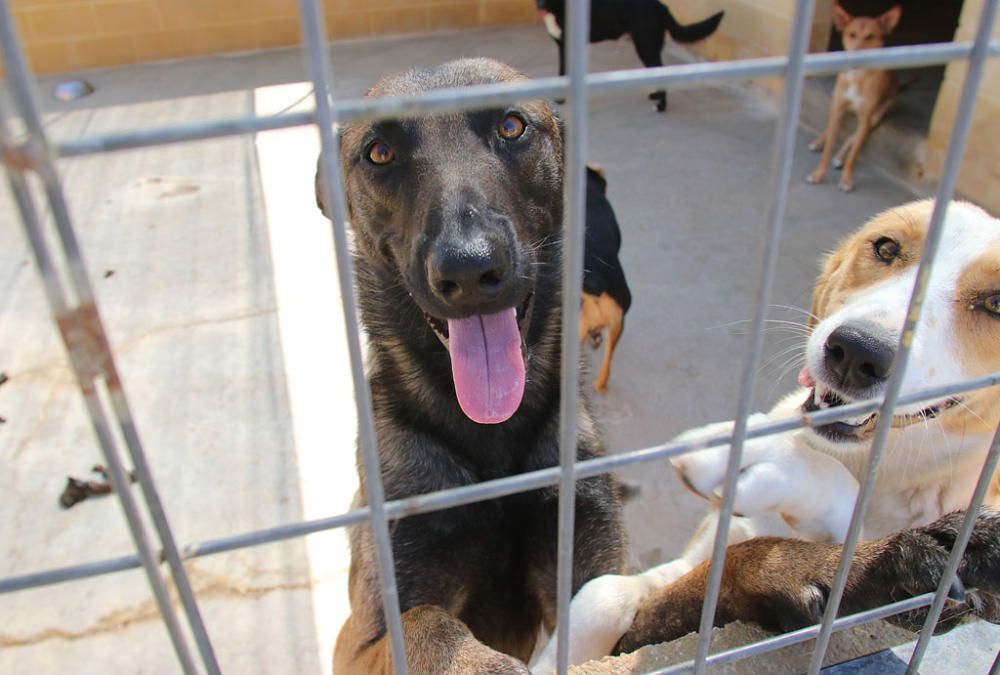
[[501, 487], [598, 84], [802, 635]]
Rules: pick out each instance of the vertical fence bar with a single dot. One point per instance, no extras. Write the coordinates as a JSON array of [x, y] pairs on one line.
[[781, 167], [86, 317], [578, 33], [948, 576], [946, 189], [60, 308], [313, 28]]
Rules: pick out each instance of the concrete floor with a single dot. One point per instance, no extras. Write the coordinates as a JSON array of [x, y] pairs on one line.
[[224, 313]]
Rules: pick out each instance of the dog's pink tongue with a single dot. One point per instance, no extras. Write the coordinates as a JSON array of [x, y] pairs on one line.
[[487, 365], [805, 378]]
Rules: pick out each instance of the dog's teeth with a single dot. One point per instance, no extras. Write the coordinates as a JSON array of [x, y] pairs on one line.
[[818, 398]]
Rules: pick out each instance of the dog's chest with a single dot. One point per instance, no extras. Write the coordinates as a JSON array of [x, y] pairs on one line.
[[852, 92]]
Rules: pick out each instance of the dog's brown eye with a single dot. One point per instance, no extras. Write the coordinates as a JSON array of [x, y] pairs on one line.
[[380, 153], [992, 304], [886, 249], [511, 128]]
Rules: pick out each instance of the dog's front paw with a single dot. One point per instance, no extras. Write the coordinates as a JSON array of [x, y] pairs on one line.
[[812, 490], [660, 99], [816, 146], [600, 613], [911, 563], [704, 471], [838, 163], [846, 185], [816, 177]]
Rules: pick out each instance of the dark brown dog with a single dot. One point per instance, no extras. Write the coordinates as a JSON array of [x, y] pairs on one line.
[[457, 220]]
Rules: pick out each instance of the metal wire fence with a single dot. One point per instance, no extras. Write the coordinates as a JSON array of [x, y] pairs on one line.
[[76, 314]]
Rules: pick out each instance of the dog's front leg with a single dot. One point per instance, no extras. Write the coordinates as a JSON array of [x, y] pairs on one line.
[[812, 491], [602, 611], [436, 643], [860, 136], [837, 109], [782, 584]]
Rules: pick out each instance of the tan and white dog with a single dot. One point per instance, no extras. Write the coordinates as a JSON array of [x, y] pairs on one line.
[[871, 93], [805, 482]]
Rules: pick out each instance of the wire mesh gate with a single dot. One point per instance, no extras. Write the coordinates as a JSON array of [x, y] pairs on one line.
[[73, 308]]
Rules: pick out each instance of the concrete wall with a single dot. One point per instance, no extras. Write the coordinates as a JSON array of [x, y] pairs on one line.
[[980, 175], [66, 35], [753, 29]]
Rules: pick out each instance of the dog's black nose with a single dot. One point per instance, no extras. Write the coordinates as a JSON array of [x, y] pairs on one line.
[[859, 355], [468, 274]]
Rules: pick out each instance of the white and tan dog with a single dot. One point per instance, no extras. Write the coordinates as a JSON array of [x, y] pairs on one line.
[[810, 477]]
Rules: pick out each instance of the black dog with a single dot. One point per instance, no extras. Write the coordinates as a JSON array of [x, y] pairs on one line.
[[606, 296], [457, 221], [645, 20]]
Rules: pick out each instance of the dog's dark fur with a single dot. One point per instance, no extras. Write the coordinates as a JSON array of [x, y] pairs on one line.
[[606, 295], [602, 270], [647, 21], [491, 564], [475, 582]]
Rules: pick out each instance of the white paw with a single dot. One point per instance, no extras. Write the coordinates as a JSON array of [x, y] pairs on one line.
[[767, 466], [838, 163], [846, 186], [777, 475], [600, 613], [815, 147]]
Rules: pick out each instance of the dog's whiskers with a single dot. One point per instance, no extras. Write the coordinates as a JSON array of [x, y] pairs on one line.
[[796, 309]]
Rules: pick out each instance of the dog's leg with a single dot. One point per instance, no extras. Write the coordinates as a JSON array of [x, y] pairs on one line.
[[781, 584], [435, 642], [602, 611], [882, 110], [837, 108], [838, 161], [846, 183], [877, 116], [648, 41], [561, 44], [615, 319], [591, 321]]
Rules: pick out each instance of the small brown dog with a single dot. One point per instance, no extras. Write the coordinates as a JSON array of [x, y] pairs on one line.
[[870, 93]]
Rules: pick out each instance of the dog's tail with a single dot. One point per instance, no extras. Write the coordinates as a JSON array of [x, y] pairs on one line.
[[692, 32]]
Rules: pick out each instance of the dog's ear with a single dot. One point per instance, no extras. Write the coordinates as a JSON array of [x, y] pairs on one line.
[[841, 18], [888, 21], [320, 187], [825, 285]]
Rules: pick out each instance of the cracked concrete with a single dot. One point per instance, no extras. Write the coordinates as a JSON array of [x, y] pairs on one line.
[[223, 310], [205, 584]]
